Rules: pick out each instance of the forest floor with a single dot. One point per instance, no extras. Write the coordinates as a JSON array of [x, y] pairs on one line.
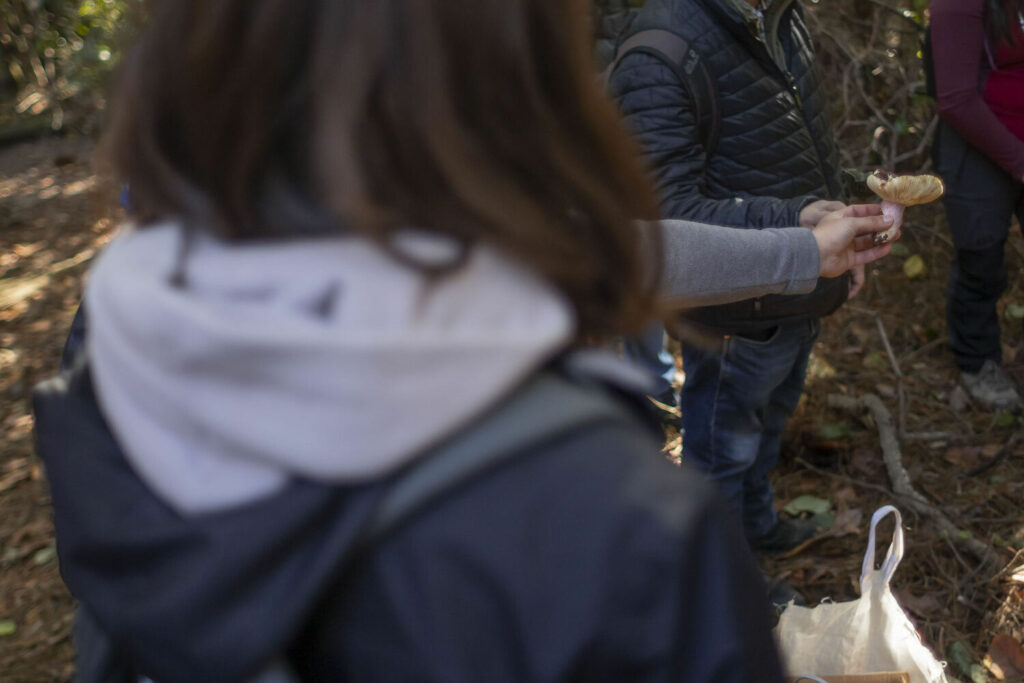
[[965, 461]]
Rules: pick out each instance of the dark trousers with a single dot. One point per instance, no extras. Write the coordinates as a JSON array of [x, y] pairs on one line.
[[980, 201]]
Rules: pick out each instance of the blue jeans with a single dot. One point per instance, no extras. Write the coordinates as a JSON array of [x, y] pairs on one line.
[[648, 351], [735, 403]]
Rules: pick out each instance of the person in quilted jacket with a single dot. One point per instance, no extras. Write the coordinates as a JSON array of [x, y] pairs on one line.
[[772, 161]]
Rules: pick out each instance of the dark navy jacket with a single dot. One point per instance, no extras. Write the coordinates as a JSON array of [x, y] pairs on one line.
[[589, 558], [775, 151]]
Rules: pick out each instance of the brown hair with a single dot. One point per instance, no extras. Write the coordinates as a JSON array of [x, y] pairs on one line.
[[1000, 18], [477, 119]]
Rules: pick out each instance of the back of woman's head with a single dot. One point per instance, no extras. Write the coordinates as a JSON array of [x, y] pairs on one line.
[[481, 120], [1001, 18]]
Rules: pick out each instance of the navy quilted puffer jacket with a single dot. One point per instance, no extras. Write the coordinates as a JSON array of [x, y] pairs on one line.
[[775, 152]]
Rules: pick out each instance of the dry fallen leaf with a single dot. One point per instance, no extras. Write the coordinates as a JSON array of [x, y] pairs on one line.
[[865, 461], [964, 457], [958, 400], [847, 494], [922, 605], [848, 522], [914, 267], [1006, 658], [886, 390]]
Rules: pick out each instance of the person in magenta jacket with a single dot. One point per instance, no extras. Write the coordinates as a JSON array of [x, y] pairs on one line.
[[978, 48]]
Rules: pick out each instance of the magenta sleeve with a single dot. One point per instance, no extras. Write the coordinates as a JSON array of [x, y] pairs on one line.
[[958, 43]]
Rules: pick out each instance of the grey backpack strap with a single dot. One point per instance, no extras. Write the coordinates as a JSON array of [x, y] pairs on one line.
[[676, 52], [547, 406]]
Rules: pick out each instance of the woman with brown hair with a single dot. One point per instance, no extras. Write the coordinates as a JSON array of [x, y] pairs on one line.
[[369, 236]]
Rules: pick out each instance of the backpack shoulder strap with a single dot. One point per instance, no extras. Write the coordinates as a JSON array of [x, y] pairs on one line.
[[550, 404], [547, 406], [677, 53]]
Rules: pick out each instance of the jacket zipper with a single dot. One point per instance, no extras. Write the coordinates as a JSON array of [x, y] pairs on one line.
[[762, 36]]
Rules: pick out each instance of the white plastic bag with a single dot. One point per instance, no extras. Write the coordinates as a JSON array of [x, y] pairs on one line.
[[867, 635]]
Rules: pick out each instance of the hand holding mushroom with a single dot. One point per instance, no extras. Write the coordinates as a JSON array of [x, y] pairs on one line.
[[899, 191], [845, 238]]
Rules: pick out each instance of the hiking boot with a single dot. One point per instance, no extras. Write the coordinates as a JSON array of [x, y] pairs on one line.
[[781, 593], [784, 536], [991, 386]]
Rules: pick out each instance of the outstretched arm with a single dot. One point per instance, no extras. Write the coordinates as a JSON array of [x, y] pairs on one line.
[[705, 265]]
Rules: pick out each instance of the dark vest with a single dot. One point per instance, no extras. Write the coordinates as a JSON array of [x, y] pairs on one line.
[[775, 139]]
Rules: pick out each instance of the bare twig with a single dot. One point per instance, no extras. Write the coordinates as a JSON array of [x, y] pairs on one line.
[[922, 146], [924, 348], [896, 11], [932, 436], [850, 480], [1011, 567], [888, 347], [988, 464]]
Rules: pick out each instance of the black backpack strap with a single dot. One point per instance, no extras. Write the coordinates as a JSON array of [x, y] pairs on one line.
[[549, 405], [676, 52]]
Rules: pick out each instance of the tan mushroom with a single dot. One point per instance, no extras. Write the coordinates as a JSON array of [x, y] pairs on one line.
[[899, 191]]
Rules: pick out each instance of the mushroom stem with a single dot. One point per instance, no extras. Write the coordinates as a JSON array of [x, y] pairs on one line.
[[895, 211]]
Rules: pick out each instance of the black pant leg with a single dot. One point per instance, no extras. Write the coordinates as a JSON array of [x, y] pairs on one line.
[[980, 200], [977, 278]]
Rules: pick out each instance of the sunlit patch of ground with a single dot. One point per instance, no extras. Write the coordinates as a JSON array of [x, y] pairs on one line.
[[54, 218]]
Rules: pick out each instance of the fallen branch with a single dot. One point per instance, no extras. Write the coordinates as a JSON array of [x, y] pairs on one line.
[[900, 388], [898, 476]]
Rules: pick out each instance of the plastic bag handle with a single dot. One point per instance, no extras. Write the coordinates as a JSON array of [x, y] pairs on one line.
[[892, 556]]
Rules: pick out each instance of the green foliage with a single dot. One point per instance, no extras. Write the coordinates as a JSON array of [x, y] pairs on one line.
[[834, 432], [959, 654], [56, 55], [807, 503]]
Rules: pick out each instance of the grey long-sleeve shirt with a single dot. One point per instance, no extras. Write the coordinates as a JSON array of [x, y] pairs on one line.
[[709, 264]]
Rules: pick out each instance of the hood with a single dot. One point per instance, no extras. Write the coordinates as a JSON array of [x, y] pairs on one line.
[[321, 359]]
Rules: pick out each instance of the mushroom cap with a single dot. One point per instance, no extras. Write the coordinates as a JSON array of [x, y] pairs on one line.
[[907, 190]]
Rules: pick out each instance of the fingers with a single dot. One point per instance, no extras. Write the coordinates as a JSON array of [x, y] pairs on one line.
[[862, 210], [871, 254], [856, 281], [869, 224], [865, 241], [862, 242]]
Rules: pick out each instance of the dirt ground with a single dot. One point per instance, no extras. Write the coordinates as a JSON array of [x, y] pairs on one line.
[[965, 462], [51, 224]]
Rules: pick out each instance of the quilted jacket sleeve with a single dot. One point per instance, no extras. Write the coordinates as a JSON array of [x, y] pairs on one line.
[[659, 110]]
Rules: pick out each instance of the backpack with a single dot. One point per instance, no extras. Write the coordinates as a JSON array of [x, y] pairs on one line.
[[570, 395], [677, 53]]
